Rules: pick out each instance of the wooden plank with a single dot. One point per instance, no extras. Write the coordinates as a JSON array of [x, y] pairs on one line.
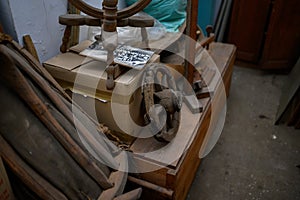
[[163, 191], [289, 91], [21, 85], [181, 178], [118, 178], [132, 195], [191, 31], [297, 126], [29, 46], [222, 56], [32, 179], [168, 154], [294, 113], [192, 160], [153, 172], [5, 187], [227, 74]]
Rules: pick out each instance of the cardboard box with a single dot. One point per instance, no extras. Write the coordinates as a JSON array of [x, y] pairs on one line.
[[84, 80]]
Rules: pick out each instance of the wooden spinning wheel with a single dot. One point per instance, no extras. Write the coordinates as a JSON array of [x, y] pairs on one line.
[[99, 13], [159, 87], [108, 18]]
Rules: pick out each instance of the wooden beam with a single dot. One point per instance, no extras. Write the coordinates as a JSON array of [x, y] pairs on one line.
[[191, 31]]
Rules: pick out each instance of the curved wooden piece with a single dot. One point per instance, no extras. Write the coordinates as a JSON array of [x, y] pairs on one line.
[[118, 178], [133, 9], [121, 14], [87, 9], [78, 20], [163, 92], [71, 19]]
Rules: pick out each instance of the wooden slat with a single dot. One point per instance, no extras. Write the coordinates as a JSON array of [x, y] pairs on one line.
[[153, 171], [297, 126], [23, 88], [191, 31], [28, 176], [118, 178], [294, 114], [132, 195], [163, 191], [29, 46], [181, 178], [289, 92]]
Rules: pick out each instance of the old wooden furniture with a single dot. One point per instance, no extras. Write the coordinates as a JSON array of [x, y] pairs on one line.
[[266, 32]]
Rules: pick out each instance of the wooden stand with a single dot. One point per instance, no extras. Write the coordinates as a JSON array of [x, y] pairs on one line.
[[174, 180]]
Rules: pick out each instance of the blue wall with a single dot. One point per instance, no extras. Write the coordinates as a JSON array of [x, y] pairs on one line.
[[207, 12]]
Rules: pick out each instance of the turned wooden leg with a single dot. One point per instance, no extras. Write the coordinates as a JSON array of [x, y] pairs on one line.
[[65, 40], [145, 38]]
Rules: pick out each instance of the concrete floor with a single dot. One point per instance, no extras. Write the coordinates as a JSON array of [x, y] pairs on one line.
[[253, 159]]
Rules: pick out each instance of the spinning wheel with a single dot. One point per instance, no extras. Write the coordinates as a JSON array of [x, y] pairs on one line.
[[159, 88], [99, 13], [109, 18]]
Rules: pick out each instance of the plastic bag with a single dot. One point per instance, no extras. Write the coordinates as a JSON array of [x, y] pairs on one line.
[[133, 34], [171, 13], [129, 35]]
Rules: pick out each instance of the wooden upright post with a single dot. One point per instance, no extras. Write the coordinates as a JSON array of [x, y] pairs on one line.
[[191, 29]]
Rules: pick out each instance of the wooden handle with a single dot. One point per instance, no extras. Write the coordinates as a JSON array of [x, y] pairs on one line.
[[140, 21], [29, 46]]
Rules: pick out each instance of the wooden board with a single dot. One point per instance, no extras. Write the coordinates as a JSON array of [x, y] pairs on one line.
[[168, 155], [288, 92], [5, 188]]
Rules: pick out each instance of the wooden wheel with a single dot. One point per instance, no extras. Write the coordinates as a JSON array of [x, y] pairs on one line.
[[159, 88], [121, 14]]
